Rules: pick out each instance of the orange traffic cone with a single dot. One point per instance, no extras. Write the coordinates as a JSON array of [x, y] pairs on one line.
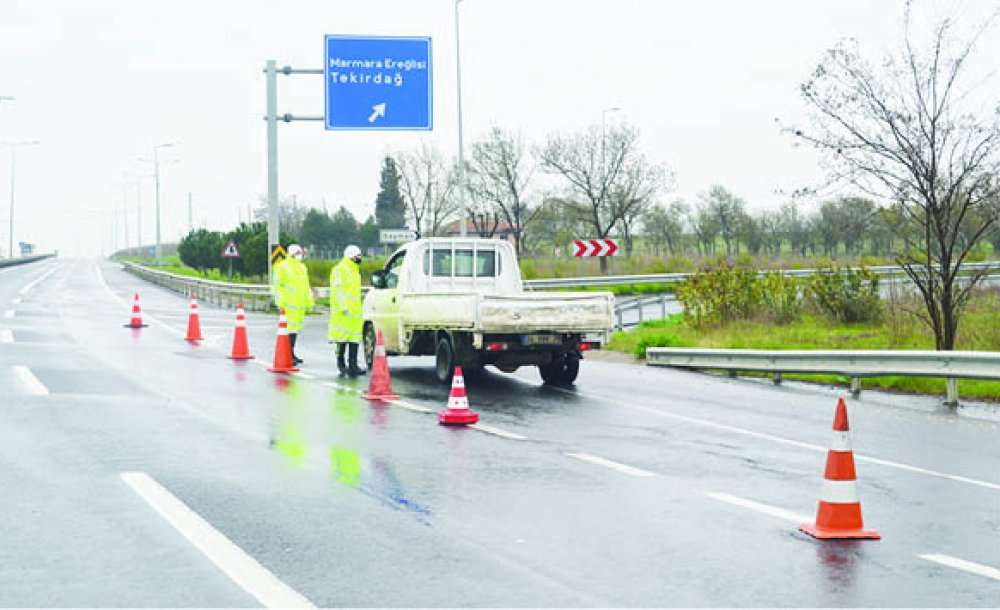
[[136, 321], [380, 386], [458, 411], [282, 348], [839, 512], [241, 346], [194, 324]]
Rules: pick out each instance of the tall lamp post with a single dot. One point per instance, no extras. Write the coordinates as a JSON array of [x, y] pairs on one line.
[[156, 177], [13, 167], [461, 145]]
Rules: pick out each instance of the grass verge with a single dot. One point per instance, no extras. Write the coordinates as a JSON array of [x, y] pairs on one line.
[[981, 331]]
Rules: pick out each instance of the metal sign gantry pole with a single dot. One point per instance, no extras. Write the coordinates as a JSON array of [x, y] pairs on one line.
[[273, 223]]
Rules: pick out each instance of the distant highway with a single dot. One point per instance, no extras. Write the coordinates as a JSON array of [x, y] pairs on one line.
[[143, 471]]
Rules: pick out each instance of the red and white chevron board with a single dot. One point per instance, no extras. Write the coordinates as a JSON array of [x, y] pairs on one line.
[[595, 247]]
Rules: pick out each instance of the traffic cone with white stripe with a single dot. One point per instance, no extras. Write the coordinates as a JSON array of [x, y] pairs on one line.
[[458, 412], [136, 321], [194, 323], [839, 513], [282, 348], [241, 346], [380, 386]]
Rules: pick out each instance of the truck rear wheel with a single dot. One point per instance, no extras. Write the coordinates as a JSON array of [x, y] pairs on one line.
[[444, 360], [562, 370]]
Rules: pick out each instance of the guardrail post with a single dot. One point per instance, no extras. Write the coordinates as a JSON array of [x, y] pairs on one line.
[[618, 314], [663, 306], [855, 387], [951, 397], [640, 311], [777, 378], [732, 373]]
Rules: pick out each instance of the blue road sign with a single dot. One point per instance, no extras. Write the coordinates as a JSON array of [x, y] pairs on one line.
[[378, 82]]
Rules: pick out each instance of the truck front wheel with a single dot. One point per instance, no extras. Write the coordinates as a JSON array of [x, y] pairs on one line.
[[562, 370], [445, 360]]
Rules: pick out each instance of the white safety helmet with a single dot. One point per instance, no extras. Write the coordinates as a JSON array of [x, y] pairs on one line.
[[296, 251], [352, 252]]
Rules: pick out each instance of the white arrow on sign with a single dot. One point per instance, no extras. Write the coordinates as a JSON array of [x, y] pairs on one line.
[[377, 111]]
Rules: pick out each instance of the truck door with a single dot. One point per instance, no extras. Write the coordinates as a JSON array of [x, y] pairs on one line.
[[385, 303]]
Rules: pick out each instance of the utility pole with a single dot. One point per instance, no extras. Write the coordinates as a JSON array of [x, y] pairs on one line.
[[156, 178], [461, 146], [13, 167], [125, 213], [273, 229]]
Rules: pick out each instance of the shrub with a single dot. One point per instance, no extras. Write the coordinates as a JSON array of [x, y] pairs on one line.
[[782, 297], [847, 295], [720, 295]]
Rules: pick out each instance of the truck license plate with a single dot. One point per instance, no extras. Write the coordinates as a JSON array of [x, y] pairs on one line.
[[543, 340]]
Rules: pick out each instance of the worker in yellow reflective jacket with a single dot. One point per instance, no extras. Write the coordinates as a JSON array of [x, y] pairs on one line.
[[345, 310], [292, 292]]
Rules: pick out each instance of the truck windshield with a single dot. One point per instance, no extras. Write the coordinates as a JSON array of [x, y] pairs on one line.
[[485, 264]]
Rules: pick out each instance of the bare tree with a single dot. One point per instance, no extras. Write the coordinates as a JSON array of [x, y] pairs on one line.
[[911, 130], [728, 210], [498, 178], [427, 184], [607, 176]]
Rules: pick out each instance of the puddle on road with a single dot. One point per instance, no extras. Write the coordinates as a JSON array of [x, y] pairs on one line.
[[328, 441]]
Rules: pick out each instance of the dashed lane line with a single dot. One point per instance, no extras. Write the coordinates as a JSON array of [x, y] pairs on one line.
[[41, 279], [961, 564], [8, 314], [498, 432], [766, 509], [6, 335], [622, 468], [15, 301], [239, 566], [29, 381], [781, 440]]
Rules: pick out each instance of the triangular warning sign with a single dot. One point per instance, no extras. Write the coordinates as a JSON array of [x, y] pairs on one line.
[[231, 251]]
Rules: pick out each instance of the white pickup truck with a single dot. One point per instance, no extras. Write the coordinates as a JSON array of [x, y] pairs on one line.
[[462, 301]]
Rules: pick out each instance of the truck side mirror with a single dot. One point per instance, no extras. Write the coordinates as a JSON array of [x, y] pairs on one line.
[[378, 280]]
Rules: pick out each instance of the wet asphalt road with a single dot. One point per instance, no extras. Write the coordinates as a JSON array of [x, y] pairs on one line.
[[351, 504]]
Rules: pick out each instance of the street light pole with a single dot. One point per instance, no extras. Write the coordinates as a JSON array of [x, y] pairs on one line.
[[156, 178], [13, 168], [461, 145]]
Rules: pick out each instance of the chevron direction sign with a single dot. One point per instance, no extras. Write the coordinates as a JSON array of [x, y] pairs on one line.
[[595, 247]]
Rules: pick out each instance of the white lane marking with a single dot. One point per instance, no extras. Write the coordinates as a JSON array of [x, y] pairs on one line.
[[961, 564], [305, 375], [767, 509], [498, 432], [6, 336], [778, 439], [623, 468], [28, 288], [243, 569], [16, 301], [8, 314], [30, 382]]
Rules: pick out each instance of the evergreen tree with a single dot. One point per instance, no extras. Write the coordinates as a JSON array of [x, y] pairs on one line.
[[390, 211]]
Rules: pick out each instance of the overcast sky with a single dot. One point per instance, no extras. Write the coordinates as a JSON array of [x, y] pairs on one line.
[[99, 83]]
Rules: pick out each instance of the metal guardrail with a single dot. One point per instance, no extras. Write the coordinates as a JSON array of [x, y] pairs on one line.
[[10, 262], [676, 278], [640, 304], [854, 364], [258, 296], [252, 296]]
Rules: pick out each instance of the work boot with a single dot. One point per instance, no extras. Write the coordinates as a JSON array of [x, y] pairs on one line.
[[353, 369], [341, 363], [291, 339]]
